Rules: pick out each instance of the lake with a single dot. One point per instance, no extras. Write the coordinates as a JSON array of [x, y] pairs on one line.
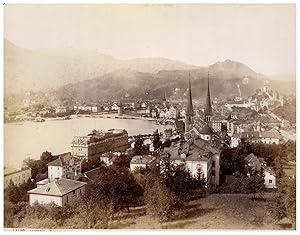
[[30, 139]]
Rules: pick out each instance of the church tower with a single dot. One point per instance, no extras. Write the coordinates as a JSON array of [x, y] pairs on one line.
[[189, 114], [208, 110]]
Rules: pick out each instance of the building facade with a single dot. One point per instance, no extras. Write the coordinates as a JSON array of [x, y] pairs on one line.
[[98, 142], [60, 191], [17, 177], [64, 164]]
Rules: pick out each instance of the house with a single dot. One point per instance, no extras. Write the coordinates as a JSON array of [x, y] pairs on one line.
[[16, 176], [197, 155], [59, 191], [264, 137], [142, 161], [63, 166], [108, 158], [61, 109], [114, 107], [149, 144], [259, 164], [94, 109], [172, 113], [162, 114]]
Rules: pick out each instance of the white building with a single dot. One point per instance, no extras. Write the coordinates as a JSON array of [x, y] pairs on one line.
[[199, 155], [172, 113], [60, 192], [257, 164], [141, 161], [108, 158], [17, 177], [61, 109], [114, 107], [264, 137], [94, 109], [270, 178], [64, 164], [162, 114]]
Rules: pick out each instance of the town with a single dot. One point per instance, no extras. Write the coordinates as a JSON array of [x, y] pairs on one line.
[[240, 146]]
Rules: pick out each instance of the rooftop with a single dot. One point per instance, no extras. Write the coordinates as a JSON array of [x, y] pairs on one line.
[[10, 171], [99, 135], [63, 160], [58, 187], [142, 159]]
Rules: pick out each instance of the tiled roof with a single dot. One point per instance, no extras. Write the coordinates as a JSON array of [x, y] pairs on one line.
[[270, 134], [10, 171], [58, 187], [63, 160], [142, 159], [206, 130], [93, 174], [56, 162], [200, 150]]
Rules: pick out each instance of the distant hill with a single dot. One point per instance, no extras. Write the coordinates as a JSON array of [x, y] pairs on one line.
[[89, 76], [223, 83], [52, 68]]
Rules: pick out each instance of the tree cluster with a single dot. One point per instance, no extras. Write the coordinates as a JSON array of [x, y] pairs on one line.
[[39, 167]]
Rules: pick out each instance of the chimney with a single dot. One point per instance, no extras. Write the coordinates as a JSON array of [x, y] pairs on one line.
[[56, 180]]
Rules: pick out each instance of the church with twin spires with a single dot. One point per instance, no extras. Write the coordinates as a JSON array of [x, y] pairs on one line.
[[200, 127]]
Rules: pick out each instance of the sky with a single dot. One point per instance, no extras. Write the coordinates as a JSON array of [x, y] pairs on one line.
[[261, 36]]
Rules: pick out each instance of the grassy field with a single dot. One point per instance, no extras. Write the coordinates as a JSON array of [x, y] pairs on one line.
[[215, 211]]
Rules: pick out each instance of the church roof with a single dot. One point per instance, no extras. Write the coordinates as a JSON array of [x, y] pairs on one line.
[[206, 130]]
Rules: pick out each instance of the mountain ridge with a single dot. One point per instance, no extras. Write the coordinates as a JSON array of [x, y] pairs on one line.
[[84, 74]]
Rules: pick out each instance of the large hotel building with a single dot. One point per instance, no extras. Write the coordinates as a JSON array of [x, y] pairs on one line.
[[98, 142]]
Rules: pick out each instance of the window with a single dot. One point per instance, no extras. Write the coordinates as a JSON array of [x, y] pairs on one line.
[[213, 164], [270, 181], [67, 199], [74, 193]]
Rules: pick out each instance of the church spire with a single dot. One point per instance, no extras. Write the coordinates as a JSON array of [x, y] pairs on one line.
[[189, 109], [208, 110]]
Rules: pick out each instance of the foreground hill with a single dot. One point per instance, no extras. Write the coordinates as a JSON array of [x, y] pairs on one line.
[[216, 211]]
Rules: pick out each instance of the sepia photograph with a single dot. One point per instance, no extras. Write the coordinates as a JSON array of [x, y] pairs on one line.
[[149, 116]]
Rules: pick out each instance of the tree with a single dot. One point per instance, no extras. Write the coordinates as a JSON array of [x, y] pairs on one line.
[[236, 182], [90, 214], [138, 145], [254, 183], [178, 180], [118, 186], [90, 163], [289, 201], [159, 201], [12, 193], [156, 140], [39, 167]]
